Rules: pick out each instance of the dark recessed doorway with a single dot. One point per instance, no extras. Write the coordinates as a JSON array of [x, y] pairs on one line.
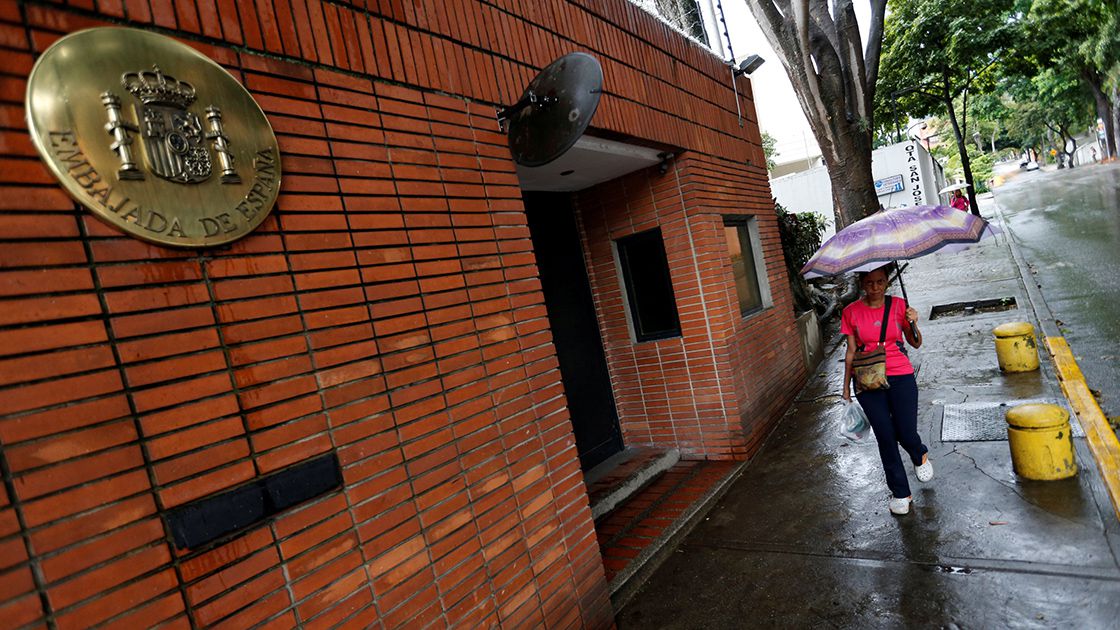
[[575, 331]]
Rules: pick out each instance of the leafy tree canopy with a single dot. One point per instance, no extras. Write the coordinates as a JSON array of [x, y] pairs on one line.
[[769, 149], [934, 50]]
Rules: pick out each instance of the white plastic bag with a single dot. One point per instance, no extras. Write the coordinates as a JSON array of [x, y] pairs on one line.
[[853, 422]]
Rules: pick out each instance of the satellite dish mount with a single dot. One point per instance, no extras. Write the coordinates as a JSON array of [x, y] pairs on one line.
[[554, 111]]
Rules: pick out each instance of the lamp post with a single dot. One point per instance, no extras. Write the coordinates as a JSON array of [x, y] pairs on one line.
[[923, 127], [894, 108]]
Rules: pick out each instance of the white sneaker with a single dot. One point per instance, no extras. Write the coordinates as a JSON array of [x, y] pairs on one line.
[[900, 506], [925, 471]]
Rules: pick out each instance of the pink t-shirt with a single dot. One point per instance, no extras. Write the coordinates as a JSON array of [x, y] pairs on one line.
[[865, 322]]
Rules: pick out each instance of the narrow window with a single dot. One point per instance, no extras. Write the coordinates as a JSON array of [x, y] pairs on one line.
[[649, 289], [745, 249]]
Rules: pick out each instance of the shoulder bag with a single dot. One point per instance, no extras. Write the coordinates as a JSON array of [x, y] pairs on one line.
[[870, 368]]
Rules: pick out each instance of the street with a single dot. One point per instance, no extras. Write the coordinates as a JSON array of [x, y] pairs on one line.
[[1067, 224]]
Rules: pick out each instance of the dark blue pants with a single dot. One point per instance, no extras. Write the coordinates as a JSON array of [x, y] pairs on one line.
[[893, 414]]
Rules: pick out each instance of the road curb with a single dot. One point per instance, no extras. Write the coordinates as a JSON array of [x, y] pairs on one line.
[[1102, 440], [1103, 443]]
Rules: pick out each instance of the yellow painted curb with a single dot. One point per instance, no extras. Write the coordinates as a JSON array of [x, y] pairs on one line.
[[1101, 438]]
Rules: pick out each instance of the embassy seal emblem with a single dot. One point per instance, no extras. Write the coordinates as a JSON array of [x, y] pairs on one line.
[[153, 137]]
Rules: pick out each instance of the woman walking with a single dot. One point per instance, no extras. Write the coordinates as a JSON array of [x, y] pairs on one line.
[[892, 410], [959, 201]]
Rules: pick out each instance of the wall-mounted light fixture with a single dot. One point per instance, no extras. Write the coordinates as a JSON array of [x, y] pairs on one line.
[[749, 65], [665, 156]]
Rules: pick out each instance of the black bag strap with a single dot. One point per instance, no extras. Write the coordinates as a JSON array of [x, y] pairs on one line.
[[886, 316]]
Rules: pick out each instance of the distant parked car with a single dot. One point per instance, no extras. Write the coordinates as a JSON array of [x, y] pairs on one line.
[[1032, 166]]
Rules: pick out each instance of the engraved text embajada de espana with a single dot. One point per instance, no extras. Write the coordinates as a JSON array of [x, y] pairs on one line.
[[153, 137], [64, 145]]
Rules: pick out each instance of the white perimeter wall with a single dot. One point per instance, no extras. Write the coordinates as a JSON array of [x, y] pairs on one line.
[[811, 190]]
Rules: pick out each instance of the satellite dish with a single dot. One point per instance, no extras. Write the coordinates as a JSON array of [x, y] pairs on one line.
[[555, 109]]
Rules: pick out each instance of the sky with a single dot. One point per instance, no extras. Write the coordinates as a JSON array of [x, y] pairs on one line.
[[779, 112]]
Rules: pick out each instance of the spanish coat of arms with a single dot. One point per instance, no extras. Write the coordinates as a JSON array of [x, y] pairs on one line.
[[175, 141]]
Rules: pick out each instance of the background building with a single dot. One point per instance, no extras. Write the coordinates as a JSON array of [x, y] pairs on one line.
[[463, 336]]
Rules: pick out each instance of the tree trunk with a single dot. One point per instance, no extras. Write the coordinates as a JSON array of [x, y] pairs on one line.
[[966, 165], [834, 79], [1105, 111], [1069, 143], [1113, 130], [853, 187]]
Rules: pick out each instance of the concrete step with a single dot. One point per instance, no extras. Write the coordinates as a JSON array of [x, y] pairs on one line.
[[625, 473], [643, 531]]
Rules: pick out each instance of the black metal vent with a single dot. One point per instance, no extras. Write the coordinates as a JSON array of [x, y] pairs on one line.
[[208, 519]]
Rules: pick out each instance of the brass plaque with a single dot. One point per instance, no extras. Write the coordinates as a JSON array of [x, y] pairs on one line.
[[153, 137]]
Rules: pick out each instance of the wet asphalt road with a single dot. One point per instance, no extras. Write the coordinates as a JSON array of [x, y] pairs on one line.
[[1067, 224]]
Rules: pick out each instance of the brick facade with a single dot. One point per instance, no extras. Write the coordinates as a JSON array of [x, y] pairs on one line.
[[714, 391], [388, 311]]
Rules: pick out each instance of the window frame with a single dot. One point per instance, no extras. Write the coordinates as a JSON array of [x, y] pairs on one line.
[[748, 224], [631, 303]]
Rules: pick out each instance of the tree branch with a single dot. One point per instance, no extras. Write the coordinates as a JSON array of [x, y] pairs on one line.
[[874, 46], [777, 18], [764, 10], [850, 51], [800, 15], [822, 20], [970, 76]]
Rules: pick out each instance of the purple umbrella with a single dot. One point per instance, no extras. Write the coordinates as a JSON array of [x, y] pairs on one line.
[[896, 234]]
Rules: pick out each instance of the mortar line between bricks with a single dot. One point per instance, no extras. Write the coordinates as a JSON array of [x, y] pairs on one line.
[[141, 441], [424, 311], [947, 564], [25, 535], [33, 562], [319, 389]]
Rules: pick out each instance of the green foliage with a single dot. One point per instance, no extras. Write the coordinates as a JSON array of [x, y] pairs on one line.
[[982, 164], [939, 53], [801, 235], [1051, 102], [936, 48], [769, 149], [1081, 34]]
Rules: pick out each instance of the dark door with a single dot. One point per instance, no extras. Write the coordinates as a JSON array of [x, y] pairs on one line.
[[575, 332]]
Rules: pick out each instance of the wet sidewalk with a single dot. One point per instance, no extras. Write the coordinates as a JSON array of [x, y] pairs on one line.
[[804, 536]]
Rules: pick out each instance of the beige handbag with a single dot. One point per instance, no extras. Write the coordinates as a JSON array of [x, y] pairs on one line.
[[870, 368]]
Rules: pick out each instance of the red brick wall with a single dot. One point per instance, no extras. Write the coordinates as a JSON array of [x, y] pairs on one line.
[[388, 310], [716, 390]]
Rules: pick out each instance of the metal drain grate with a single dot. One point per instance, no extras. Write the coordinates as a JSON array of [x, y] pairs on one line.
[[972, 308], [983, 422]]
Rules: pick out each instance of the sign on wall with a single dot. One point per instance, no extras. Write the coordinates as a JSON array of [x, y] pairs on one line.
[[915, 175], [153, 137], [889, 185]]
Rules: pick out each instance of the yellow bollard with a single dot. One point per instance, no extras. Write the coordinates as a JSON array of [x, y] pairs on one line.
[[1040, 441], [1016, 348]]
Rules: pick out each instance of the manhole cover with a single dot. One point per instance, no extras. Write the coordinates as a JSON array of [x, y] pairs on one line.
[[994, 305], [983, 422]]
